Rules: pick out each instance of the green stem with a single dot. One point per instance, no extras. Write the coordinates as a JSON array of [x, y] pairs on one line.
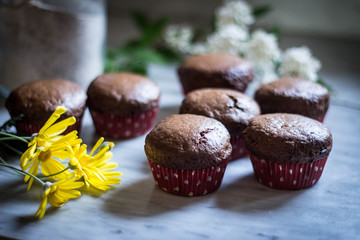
[[23, 139], [51, 175], [22, 172], [8, 138]]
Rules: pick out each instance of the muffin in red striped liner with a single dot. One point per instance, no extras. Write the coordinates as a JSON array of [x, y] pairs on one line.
[[123, 105], [230, 107], [287, 151], [294, 95], [188, 154], [37, 100]]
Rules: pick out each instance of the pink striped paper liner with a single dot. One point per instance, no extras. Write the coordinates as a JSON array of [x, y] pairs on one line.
[[238, 147], [321, 119], [287, 176], [29, 129], [189, 183], [124, 126]]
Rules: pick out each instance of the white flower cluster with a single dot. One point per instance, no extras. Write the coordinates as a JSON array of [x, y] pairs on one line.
[[178, 37], [229, 39], [232, 36], [298, 62], [262, 49], [234, 12]]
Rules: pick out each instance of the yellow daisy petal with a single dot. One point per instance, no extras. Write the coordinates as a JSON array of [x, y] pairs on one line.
[[53, 166], [97, 145], [55, 116], [60, 127]]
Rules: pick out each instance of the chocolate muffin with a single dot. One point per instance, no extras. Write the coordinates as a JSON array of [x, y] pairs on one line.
[[215, 70], [123, 105], [37, 100], [288, 151], [294, 95], [188, 154], [230, 107]]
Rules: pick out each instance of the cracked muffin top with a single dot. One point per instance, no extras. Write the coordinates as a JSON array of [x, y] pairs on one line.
[[287, 138], [187, 141], [230, 107]]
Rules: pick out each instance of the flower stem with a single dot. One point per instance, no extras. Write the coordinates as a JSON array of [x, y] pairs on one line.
[[14, 137], [4, 164], [51, 175]]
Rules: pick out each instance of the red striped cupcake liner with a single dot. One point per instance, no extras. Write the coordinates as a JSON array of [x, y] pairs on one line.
[[123, 126], [321, 119], [238, 147], [188, 183], [29, 129], [287, 176]]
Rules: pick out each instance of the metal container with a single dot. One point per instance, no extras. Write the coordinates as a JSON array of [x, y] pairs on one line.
[[42, 39]]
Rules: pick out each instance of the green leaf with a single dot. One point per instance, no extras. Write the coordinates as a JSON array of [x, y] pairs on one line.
[[140, 19], [153, 33], [261, 11], [324, 84], [276, 30]]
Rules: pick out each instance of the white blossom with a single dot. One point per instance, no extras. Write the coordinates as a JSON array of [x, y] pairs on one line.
[[267, 76], [262, 50], [178, 37], [229, 39], [298, 62], [234, 12], [198, 48]]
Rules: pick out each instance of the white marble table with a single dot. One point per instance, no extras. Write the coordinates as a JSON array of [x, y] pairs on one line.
[[241, 209]]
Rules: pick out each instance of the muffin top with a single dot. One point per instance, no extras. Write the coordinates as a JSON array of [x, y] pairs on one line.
[[38, 100], [119, 93], [186, 141], [215, 62], [287, 138], [215, 70], [230, 107], [293, 95]]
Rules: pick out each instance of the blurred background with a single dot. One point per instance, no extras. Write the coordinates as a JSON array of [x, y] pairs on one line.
[[74, 39], [330, 28], [330, 19]]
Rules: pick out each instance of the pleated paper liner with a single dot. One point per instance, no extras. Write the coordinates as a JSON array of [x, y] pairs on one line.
[[238, 147], [189, 183], [287, 176], [123, 126], [29, 129]]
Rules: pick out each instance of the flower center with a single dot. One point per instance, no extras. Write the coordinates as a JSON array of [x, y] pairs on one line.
[[44, 155]]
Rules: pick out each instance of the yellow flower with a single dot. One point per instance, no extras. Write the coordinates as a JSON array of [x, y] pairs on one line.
[[58, 193], [47, 135], [48, 158], [95, 170]]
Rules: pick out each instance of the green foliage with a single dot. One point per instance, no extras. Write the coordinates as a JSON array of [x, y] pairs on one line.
[[276, 30], [261, 11], [137, 53], [324, 84]]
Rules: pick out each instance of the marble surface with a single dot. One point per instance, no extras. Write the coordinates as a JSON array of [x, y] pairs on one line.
[[241, 209]]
